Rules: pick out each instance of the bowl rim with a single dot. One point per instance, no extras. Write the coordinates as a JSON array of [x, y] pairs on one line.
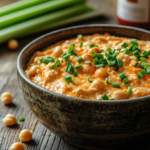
[[70, 98]]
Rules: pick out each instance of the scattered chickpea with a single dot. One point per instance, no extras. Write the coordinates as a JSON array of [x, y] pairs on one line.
[[58, 51], [97, 85], [102, 72], [118, 95], [88, 69], [25, 135], [17, 146], [6, 98], [13, 44], [10, 120]]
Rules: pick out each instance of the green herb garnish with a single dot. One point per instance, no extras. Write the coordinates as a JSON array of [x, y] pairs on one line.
[[68, 78]]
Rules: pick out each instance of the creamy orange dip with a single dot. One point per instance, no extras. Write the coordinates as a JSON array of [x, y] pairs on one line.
[[95, 67]]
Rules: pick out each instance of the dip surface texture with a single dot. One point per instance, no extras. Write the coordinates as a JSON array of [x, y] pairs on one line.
[[95, 67]]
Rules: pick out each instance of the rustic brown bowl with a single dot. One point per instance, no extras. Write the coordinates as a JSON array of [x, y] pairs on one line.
[[82, 122]]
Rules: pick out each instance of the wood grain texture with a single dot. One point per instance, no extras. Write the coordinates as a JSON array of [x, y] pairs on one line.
[[43, 139]]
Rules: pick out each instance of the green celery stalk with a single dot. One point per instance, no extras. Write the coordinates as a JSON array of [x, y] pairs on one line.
[[86, 15], [18, 30], [19, 5], [35, 11]]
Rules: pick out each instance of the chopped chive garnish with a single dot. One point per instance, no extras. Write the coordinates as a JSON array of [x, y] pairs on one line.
[[90, 79], [107, 81], [91, 45], [120, 62], [95, 55], [119, 48], [147, 70], [71, 51], [74, 53], [96, 61], [117, 68], [133, 41], [136, 53], [79, 36], [129, 90], [145, 53], [72, 44], [69, 67], [65, 56], [134, 47], [112, 56], [57, 62], [21, 119], [109, 50], [126, 80], [50, 57], [105, 97], [79, 59], [144, 65], [47, 60], [101, 50], [122, 76], [87, 62], [103, 61], [41, 60], [113, 50], [99, 56], [136, 64], [126, 51], [142, 58], [76, 74], [116, 85], [125, 45], [100, 66], [77, 67], [112, 63], [93, 52], [141, 73], [81, 44], [68, 78]]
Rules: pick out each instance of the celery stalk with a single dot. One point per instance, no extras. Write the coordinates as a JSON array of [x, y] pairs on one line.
[[18, 30], [70, 20], [19, 5], [35, 11]]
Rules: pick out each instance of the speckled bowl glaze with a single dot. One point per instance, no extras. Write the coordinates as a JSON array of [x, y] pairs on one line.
[[86, 123]]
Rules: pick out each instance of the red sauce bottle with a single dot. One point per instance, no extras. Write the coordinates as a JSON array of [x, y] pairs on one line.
[[134, 13]]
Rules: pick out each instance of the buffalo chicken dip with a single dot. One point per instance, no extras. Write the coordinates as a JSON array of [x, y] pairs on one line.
[[95, 67]]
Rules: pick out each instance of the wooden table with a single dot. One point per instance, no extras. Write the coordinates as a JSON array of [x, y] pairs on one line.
[[43, 139]]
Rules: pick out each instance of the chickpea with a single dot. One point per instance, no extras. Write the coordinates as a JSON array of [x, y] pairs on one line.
[[118, 95], [87, 57], [32, 70], [10, 120], [6, 98], [13, 44], [58, 51], [17, 146], [88, 69], [25, 135], [97, 85], [102, 72], [125, 58]]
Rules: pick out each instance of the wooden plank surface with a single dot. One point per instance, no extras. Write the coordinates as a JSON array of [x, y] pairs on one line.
[[43, 139]]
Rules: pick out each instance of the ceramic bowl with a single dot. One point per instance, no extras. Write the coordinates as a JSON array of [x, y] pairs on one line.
[[81, 122]]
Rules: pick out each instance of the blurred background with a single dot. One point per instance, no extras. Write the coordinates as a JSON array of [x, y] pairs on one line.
[[20, 19], [25, 18]]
